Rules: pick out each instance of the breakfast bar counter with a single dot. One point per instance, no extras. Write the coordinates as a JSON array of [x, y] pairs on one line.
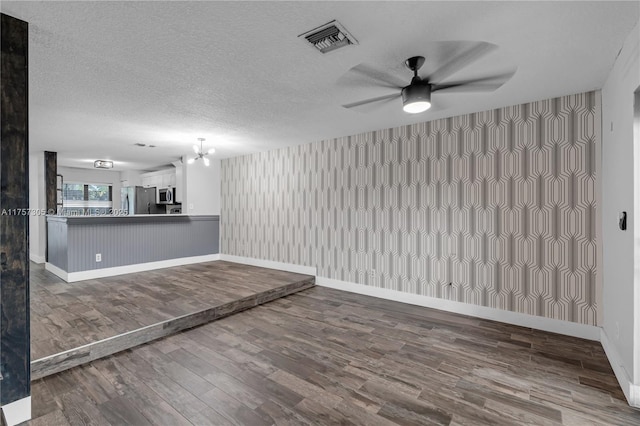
[[85, 247]]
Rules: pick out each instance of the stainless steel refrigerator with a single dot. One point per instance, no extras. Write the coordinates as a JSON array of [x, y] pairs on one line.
[[140, 200]]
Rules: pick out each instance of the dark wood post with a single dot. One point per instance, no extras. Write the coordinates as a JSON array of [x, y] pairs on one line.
[[14, 223]]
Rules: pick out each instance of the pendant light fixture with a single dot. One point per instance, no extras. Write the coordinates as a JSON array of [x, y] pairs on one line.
[[200, 153]]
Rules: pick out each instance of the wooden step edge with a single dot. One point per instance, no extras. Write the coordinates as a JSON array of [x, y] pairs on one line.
[[62, 361]]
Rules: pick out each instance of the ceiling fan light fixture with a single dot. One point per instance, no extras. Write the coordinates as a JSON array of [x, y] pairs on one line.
[[416, 107], [103, 164], [416, 98]]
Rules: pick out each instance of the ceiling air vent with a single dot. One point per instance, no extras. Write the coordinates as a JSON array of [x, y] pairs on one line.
[[328, 37]]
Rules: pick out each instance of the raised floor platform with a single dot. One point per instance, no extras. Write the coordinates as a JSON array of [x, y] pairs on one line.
[[76, 323]]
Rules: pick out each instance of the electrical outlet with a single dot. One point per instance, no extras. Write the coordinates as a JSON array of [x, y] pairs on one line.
[[190, 206], [98, 257]]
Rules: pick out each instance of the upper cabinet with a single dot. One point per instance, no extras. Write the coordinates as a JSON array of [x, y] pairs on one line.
[[161, 179], [148, 181], [169, 180]]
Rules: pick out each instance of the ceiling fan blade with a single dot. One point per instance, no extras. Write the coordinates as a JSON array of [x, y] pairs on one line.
[[485, 84], [462, 61], [466, 87], [372, 100], [375, 76]]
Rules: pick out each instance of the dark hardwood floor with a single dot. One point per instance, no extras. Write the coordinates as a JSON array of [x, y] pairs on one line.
[[323, 356], [68, 315]]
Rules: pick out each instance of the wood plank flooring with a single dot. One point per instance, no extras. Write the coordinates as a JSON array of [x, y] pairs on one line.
[[65, 315], [323, 356]]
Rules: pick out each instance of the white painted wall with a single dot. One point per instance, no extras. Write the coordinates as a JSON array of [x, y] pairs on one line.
[[636, 231], [78, 175], [621, 289], [37, 202], [202, 188]]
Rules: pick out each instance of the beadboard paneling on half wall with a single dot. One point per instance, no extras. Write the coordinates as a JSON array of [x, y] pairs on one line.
[[501, 204], [128, 240]]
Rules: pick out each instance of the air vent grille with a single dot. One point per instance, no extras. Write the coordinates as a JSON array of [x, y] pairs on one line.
[[329, 37]]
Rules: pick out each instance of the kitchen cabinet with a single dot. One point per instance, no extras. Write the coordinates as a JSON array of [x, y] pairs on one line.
[[160, 179], [168, 180], [148, 181]]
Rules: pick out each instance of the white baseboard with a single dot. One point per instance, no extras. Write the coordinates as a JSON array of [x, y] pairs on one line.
[[18, 411], [634, 395], [128, 269], [289, 267], [583, 331], [56, 271], [630, 389], [36, 258]]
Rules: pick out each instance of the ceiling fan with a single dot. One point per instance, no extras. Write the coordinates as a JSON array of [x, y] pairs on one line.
[[416, 96], [200, 153]]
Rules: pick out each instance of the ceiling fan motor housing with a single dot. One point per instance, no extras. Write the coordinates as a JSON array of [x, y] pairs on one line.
[[416, 92]]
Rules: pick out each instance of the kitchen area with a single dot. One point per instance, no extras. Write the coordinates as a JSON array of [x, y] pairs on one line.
[[158, 193], [113, 222]]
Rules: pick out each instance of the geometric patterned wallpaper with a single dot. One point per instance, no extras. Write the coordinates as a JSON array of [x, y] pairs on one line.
[[496, 208]]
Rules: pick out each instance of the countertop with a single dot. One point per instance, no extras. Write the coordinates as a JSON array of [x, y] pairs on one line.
[[137, 218]]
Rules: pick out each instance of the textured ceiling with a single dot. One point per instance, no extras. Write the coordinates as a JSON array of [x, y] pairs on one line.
[[105, 75]]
